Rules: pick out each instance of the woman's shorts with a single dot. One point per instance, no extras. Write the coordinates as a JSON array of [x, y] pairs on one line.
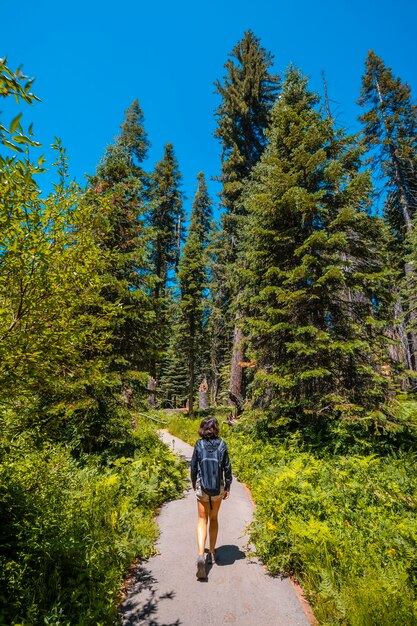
[[203, 497]]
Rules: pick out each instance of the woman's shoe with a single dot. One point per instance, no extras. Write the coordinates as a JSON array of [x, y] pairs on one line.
[[201, 567], [211, 558]]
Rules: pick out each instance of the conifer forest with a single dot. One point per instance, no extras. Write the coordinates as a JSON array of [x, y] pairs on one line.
[[292, 318]]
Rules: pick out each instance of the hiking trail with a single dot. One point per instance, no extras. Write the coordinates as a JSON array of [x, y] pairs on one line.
[[238, 590]]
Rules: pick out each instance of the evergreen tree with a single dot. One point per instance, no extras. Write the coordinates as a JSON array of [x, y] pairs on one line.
[[315, 264], [202, 222], [119, 190], [220, 327], [248, 92], [390, 134], [167, 221], [173, 381], [192, 278], [202, 212], [133, 136], [121, 163], [166, 217]]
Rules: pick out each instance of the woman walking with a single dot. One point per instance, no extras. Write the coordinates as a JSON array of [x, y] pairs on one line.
[[211, 477]]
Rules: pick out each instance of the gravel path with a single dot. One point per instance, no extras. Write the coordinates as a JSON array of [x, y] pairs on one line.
[[238, 590]]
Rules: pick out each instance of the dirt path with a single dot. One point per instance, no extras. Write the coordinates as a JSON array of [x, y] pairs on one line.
[[166, 591]]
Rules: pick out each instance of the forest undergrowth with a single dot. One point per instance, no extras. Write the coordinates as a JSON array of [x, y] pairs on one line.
[[336, 508], [72, 527]]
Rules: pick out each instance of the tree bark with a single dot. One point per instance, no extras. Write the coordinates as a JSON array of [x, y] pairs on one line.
[[203, 396], [216, 390], [191, 386], [152, 393], [236, 372], [399, 352], [215, 363]]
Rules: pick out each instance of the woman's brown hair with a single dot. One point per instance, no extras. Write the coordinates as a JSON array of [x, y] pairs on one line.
[[209, 428]]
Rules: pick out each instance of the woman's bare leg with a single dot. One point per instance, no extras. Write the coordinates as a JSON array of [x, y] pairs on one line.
[[203, 515], [214, 524]]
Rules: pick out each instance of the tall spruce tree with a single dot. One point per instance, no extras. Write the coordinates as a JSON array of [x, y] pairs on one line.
[[202, 222], [202, 212], [192, 278], [315, 265], [218, 323], [167, 221], [121, 163], [248, 92], [166, 217], [390, 134], [174, 376], [119, 188]]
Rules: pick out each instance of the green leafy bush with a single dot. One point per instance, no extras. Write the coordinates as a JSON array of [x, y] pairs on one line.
[[71, 528], [345, 525]]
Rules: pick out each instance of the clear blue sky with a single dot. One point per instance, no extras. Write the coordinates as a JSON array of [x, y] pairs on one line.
[[91, 59]]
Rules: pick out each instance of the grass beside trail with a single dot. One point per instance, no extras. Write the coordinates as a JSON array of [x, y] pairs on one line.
[[339, 514], [180, 425]]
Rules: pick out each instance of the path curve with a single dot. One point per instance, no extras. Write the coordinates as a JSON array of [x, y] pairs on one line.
[[238, 590]]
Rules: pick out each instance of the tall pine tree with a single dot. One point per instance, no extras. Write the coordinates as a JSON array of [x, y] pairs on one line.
[[119, 189], [190, 339], [390, 134], [202, 212], [315, 265], [166, 217], [218, 323], [390, 130], [248, 92], [191, 277], [167, 221]]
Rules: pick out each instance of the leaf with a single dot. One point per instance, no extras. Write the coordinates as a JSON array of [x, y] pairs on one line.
[[11, 145], [21, 139], [15, 123]]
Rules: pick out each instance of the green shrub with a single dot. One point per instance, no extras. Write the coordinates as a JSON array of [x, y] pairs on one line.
[[344, 525], [71, 528]]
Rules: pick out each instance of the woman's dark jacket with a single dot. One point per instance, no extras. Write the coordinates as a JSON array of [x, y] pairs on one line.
[[225, 465]]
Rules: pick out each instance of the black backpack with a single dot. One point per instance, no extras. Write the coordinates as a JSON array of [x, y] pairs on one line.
[[210, 466]]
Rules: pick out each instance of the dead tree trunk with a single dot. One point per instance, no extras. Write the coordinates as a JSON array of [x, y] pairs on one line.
[[191, 391], [127, 395], [236, 372], [216, 390], [400, 351], [412, 315], [152, 393], [238, 410], [203, 396]]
